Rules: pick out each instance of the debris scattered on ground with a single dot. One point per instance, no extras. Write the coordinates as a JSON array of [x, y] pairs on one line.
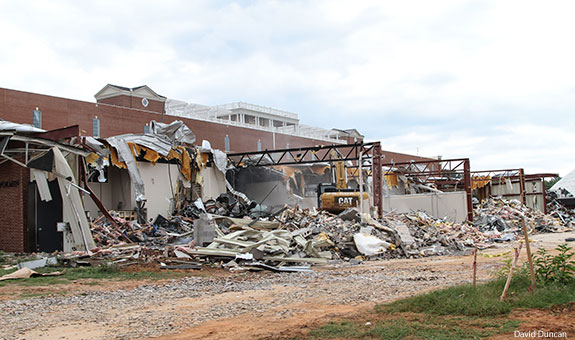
[[500, 215], [217, 232], [557, 209], [25, 273], [33, 264]]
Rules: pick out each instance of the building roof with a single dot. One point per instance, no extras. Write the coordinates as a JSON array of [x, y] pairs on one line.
[[259, 109], [567, 183], [142, 91], [349, 132], [17, 127]]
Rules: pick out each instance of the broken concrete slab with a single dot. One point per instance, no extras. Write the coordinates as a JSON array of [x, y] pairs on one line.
[[43, 262], [350, 214], [204, 229], [402, 231]]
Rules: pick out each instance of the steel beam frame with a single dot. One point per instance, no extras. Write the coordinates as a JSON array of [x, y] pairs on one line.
[[306, 155], [441, 172], [521, 177], [368, 152]]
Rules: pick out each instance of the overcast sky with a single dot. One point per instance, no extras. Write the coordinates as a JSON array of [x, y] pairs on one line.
[[490, 80]]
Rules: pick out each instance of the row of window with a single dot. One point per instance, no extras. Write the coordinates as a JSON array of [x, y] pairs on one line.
[[37, 122], [227, 144], [37, 118]]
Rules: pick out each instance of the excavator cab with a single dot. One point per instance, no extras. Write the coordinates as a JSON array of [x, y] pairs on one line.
[[336, 197]]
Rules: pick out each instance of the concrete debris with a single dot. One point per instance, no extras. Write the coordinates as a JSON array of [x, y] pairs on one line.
[[350, 214], [561, 207], [295, 236], [498, 216], [43, 262], [161, 232], [224, 205]]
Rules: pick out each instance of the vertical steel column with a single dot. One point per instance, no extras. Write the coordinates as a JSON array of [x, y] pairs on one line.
[[360, 180], [544, 195], [377, 179], [468, 191], [522, 186]]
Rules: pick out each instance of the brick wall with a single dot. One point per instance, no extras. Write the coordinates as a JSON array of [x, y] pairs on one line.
[[134, 102], [17, 106], [13, 206], [396, 157]]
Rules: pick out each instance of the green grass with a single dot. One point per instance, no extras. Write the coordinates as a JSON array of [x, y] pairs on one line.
[[484, 300], [423, 328], [12, 259], [94, 273], [454, 313]]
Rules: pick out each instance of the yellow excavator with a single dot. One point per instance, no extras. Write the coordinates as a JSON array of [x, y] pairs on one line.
[[336, 197]]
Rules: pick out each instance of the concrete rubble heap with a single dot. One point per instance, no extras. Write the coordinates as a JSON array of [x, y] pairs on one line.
[[500, 216], [293, 236], [559, 210]]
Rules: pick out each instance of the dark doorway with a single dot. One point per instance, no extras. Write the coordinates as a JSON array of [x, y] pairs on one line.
[[43, 221]]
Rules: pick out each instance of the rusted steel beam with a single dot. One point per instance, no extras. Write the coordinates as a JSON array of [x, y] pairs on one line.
[[323, 154], [467, 184], [377, 180], [522, 186]]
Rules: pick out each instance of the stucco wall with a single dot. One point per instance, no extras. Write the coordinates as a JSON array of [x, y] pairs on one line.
[[439, 205]]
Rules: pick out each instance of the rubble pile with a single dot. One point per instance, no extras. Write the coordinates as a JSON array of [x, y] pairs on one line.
[[496, 215], [434, 236], [224, 205], [310, 236], [161, 232], [218, 234], [556, 209]]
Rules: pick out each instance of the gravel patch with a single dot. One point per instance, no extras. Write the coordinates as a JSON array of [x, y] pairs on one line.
[[154, 310]]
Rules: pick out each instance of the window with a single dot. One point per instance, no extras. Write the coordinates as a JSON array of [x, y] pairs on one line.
[[96, 127], [227, 143], [37, 118], [147, 128], [249, 119], [259, 145]]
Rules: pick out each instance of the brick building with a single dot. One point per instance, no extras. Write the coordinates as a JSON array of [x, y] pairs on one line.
[[235, 127], [13, 198]]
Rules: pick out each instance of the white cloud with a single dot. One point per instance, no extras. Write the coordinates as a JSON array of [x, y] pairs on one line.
[[441, 76], [536, 148]]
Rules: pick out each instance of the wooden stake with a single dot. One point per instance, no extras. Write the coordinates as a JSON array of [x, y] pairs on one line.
[[513, 264], [475, 267], [529, 257]]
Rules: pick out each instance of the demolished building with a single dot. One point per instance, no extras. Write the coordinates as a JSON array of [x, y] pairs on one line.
[[40, 192], [166, 190]]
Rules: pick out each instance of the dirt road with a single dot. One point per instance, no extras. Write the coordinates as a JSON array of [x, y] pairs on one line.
[[236, 305]]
